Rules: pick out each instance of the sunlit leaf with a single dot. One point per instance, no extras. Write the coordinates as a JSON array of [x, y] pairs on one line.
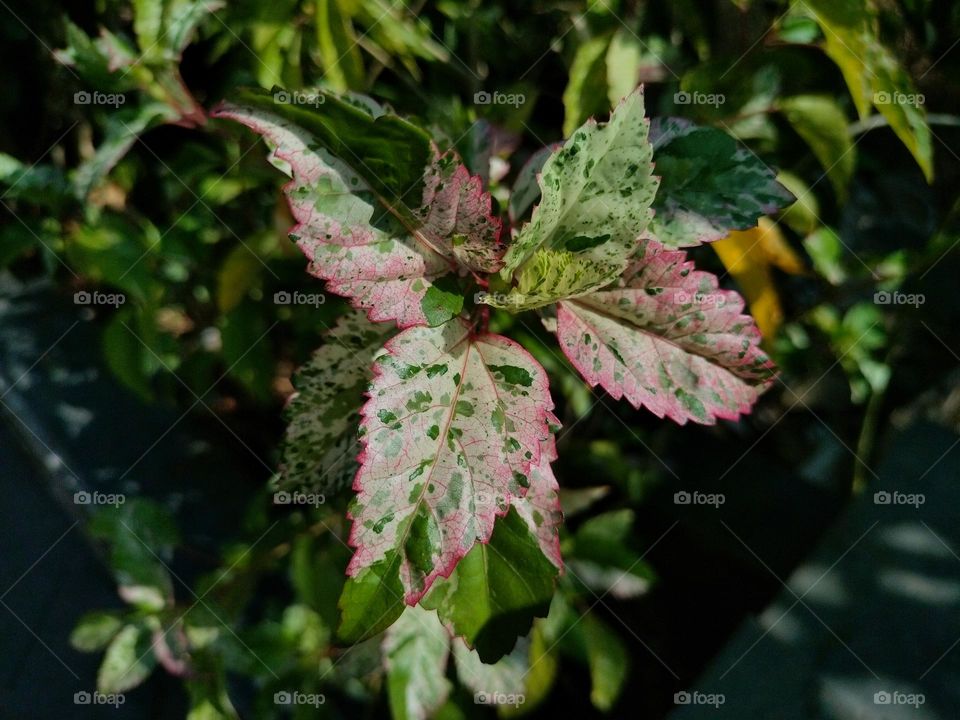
[[667, 339]]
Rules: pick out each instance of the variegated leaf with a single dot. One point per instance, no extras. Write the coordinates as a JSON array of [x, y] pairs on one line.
[[416, 650], [540, 507], [382, 217], [596, 195], [709, 185], [454, 424], [668, 339], [320, 446]]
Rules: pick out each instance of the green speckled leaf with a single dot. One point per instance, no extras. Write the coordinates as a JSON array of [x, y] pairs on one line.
[[320, 446], [668, 339], [454, 424], [709, 185], [596, 195]]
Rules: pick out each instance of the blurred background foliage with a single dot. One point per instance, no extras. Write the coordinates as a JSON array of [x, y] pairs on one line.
[[853, 102]]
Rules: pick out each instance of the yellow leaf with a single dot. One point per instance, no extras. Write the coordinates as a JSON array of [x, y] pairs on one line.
[[748, 256]]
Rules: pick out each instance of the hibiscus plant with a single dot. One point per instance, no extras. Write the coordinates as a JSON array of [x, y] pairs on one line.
[[445, 429]]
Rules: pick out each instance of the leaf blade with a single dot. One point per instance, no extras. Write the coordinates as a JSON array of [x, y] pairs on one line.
[[324, 414], [453, 425], [668, 340], [596, 194]]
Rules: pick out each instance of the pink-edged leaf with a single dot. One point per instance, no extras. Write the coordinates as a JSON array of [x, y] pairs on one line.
[[381, 215], [320, 445], [540, 507], [459, 219], [668, 339], [454, 423]]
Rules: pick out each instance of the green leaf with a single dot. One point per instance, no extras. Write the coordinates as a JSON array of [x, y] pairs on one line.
[[497, 590], [371, 600], [624, 58], [608, 660], [320, 446], [709, 185], [585, 94], [603, 559], [148, 26], [142, 535], [95, 630], [98, 61], [339, 52], [822, 124], [873, 73], [596, 195], [526, 190], [548, 276], [121, 130], [129, 660], [181, 21], [416, 649], [827, 252]]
